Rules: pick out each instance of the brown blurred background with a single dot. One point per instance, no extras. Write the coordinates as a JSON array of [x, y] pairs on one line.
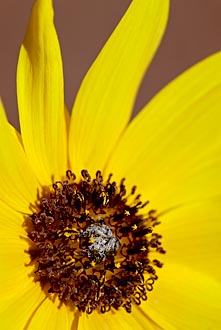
[[193, 32]]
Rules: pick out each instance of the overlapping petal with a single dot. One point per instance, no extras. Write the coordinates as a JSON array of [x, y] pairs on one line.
[[104, 102], [191, 236], [20, 295], [184, 299], [13, 243], [51, 315], [41, 95], [17, 312], [172, 150], [18, 183], [119, 319]]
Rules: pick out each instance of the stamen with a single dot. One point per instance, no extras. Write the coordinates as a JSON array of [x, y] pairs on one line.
[[93, 247]]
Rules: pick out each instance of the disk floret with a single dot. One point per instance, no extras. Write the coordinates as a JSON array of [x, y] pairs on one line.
[[92, 246]]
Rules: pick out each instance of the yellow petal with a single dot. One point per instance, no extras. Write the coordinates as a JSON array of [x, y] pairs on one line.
[[13, 257], [49, 316], [41, 96], [15, 274], [191, 236], [14, 131], [17, 312], [18, 183], [67, 119], [184, 299], [106, 97], [119, 319], [172, 150], [20, 295], [18, 290]]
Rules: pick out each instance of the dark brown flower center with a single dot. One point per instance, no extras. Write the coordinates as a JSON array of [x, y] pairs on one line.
[[92, 246]]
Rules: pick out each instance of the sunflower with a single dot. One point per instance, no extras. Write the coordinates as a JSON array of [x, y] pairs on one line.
[[91, 202]]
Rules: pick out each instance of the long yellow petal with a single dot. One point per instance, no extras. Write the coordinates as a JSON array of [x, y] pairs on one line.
[[191, 236], [172, 150], [41, 96], [12, 253], [18, 183], [20, 295], [51, 316], [184, 299], [119, 319], [106, 97], [16, 313]]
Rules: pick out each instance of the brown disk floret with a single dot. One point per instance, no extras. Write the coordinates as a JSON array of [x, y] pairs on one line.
[[93, 247]]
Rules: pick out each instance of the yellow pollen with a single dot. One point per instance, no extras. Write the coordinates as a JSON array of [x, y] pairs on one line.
[[117, 265], [134, 227], [126, 212], [67, 234], [70, 261], [143, 248], [93, 263], [91, 240], [86, 212], [105, 197]]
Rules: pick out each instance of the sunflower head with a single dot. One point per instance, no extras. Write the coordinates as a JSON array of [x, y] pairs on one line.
[[91, 246]]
